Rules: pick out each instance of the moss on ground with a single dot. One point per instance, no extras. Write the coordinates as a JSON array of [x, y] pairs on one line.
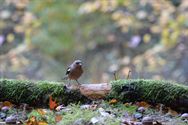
[[76, 113]]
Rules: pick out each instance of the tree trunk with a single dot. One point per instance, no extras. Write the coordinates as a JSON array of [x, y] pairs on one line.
[[37, 93]]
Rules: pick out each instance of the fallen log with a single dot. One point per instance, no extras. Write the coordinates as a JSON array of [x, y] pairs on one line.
[[37, 93], [153, 91]]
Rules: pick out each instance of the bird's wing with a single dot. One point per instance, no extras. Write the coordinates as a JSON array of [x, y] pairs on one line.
[[68, 70]]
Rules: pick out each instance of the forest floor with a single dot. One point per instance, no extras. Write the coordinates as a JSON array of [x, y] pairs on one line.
[[103, 113]]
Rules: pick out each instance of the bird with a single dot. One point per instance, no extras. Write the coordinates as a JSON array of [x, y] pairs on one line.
[[74, 71]]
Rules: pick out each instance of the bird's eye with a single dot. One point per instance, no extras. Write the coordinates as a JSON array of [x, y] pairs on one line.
[[77, 63]]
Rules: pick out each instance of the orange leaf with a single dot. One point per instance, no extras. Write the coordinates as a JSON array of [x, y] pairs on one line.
[[58, 118], [7, 103], [41, 111], [113, 101], [32, 121], [143, 104], [42, 123], [52, 104]]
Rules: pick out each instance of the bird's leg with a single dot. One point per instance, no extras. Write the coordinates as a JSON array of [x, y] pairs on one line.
[[77, 82], [69, 82]]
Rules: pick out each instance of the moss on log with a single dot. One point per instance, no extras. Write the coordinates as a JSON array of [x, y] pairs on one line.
[[37, 93], [153, 91]]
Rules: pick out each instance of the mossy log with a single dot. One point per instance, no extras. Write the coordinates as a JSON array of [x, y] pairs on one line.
[[37, 93], [153, 91]]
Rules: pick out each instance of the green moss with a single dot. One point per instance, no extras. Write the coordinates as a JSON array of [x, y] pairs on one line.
[[36, 92], [121, 109], [153, 91], [76, 113]]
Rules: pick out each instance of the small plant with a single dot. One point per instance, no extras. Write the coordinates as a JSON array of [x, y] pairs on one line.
[[76, 113]]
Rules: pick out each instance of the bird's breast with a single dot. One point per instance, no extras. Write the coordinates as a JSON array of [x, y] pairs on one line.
[[76, 73]]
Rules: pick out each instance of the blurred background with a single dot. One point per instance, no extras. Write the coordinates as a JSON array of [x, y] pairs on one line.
[[40, 38]]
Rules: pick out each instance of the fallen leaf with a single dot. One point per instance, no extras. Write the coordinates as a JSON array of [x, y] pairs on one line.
[[32, 121], [41, 111], [143, 104], [52, 104], [113, 101], [58, 118], [7, 103], [42, 123], [127, 104]]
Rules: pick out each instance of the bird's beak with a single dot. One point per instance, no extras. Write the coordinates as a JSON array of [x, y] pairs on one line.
[[80, 64]]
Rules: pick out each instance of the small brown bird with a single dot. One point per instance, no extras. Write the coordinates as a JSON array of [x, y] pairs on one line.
[[74, 71]]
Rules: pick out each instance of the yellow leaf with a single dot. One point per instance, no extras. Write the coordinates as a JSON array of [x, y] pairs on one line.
[[113, 101], [127, 104], [42, 123], [7, 103], [32, 121], [147, 38], [41, 111], [10, 37]]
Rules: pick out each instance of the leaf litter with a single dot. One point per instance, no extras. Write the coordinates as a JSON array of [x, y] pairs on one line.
[[109, 112]]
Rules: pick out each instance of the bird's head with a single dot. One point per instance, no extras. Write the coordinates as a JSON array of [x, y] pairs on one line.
[[78, 63]]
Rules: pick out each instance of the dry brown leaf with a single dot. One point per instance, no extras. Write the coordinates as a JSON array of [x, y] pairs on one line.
[[113, 101], [58, 118], [7, 103], [143, 104]]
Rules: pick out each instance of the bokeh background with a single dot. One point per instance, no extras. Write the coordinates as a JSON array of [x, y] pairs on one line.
[[40, 38]]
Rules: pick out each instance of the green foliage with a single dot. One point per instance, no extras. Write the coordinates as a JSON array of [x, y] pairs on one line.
[[121, 108], [76, 113], [63, 27], [141, 18], [36, 114], [57, 25], [47, 117]]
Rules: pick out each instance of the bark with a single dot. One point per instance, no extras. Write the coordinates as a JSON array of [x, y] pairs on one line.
[[36, 93]]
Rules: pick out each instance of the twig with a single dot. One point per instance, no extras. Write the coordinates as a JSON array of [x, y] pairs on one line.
[[115, 75], [129, 74]]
